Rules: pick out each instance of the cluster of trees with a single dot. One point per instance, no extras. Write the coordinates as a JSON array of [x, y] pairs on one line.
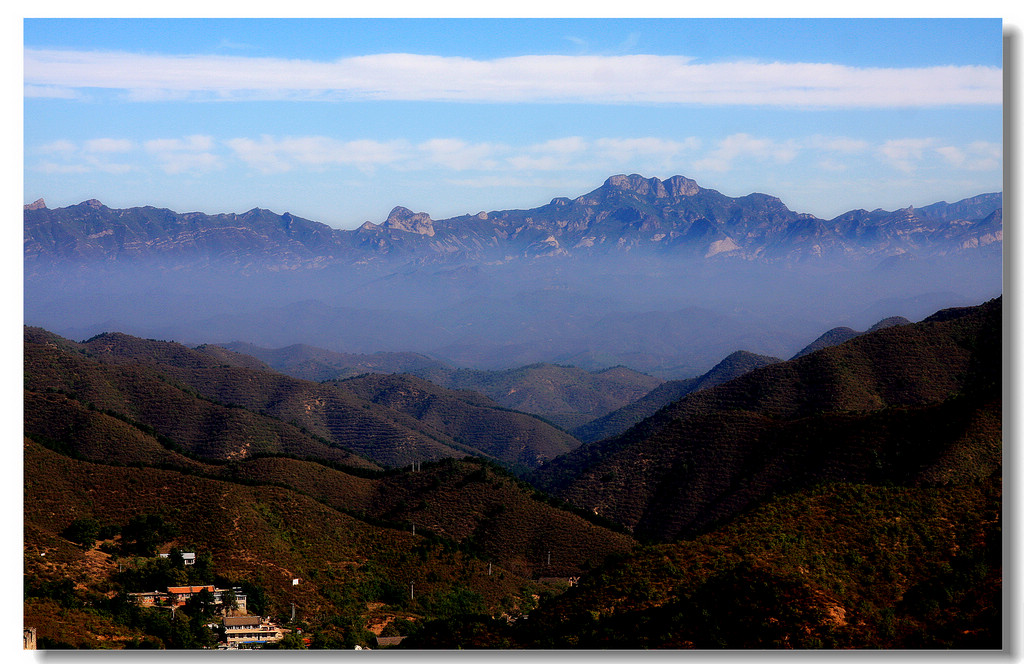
[[140, 536]]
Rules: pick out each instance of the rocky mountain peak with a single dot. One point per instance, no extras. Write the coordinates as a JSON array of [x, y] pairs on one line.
[[93, 203], [404, 219], [636, 183], [675, 186], [39, 204]]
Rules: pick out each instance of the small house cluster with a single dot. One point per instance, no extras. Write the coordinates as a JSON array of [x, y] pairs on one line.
[[251, 630], [178, 595]]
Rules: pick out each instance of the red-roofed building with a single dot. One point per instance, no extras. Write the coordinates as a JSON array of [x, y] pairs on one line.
[[182, 594], [185, 593]]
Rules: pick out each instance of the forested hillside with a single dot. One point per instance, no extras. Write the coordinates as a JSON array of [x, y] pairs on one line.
[[223, 410], [912, 405], [850, 498]]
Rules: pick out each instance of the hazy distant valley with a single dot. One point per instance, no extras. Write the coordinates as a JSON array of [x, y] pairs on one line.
[[652, 416], [664, 277]]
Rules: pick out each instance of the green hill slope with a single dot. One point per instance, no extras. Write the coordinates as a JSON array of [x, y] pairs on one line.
[[480, 535], [836, 566], [516, 439], [911, 404], [227, 411], [319, 364], [615, 422], [567, 396]]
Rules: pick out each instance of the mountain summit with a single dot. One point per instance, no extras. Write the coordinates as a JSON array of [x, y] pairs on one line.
[[404, 219], [628, 214]]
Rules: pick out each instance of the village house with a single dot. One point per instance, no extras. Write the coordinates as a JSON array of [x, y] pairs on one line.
[[244, 630], [188, 558], [182, 594]]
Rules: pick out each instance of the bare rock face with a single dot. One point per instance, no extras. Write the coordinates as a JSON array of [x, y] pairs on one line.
[[404, 219], [674, 187], [40, 204], [680, 186], [638, 184]]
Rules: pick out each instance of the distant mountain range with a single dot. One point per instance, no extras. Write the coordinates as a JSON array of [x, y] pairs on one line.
[[663, 276], [627, 214]]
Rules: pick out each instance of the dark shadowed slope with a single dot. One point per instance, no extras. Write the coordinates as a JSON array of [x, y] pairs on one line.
[[837, 566], [227, 411], [838, 335], [913, 404], [616, 422], [519, 440], [564, 395]]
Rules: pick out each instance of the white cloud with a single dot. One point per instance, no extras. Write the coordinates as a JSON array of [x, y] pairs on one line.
[[567, 145], [984, 156], [739, 146], [273, 155], [260, 155], [191, 154], [552, 155], [49, 92], [832, 165], [529, 78], [60, 169], [90, 156], [905, 153], [842, 144], [109, 145], [61, 145], [195, 143], [954, 156], [459, 155], [112, 168], [628, 149]]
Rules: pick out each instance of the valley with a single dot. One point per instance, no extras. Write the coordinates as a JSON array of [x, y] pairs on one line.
[[817, 480], [566, 427]]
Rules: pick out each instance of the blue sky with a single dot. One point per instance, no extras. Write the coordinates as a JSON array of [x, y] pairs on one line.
[[340, 120]]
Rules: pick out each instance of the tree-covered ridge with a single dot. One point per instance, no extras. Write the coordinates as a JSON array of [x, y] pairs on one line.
[[222, 410], [618, 421], [847, 499], [895, 405], [837, 566], [564, 395]]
